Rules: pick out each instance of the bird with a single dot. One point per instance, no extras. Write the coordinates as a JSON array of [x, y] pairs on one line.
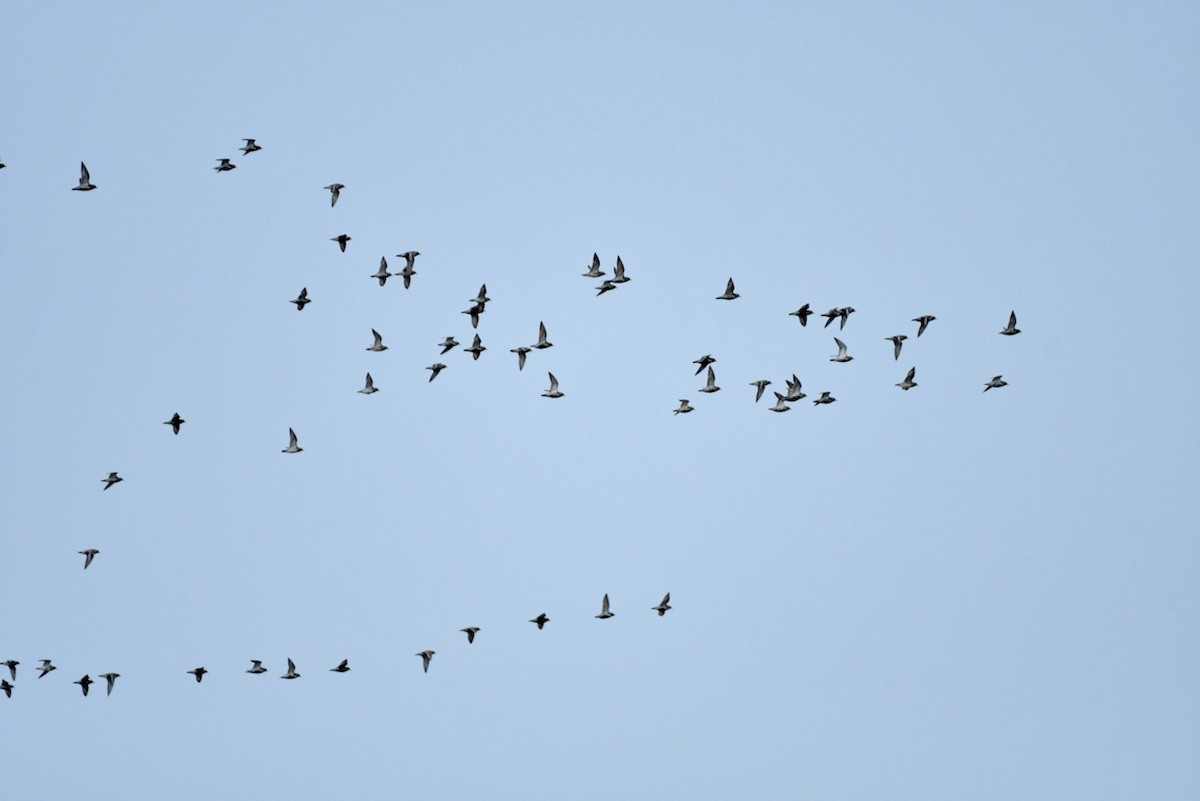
[[605, 612], [554, 391], [844, 314], [382, 274], [88, 555], [908, 382], [663, 605], [762, 384], [342, 667], [335, 191], [292, 446], [410, 257], [711, 385], [249, 147], [175, 422], [85, 180], [470, 630], [995, 383], [897, 341], [436, 368], [842, 356], [369, 387], [475, 311], [794, 392], [256, 667], [704, 361], [476, 348], [482, 298], [198, 673], [541, 620], [11, 664], [521, 351], [84, 683], [291, 671], [619, 276], [426, 658], [684, 407], [45, 668], [378, 345], [542, 343], [1011, 329], [5, 687], [341, 239], [113, 478], [780, 405], [605, 286], [225, 166], [447, 344], [802, 314], [924, 320], [825, 398], [111, 678], [594, 271], [301, 300], [729, 293]]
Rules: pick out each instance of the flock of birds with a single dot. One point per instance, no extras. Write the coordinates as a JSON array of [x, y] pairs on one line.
[[477, 308]]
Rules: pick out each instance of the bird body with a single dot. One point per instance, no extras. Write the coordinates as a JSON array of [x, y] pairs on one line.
[[113, 478], [436, 368], [301, 300], [1011, 329], [594, 271], [470, 631], [88, 556], [540, 620], [663, 605], [291, 671], [84, 683], [619, 272], [426, 658], [711, 384], [198, 673], [542, 343], [704, 361], [802, 314], [554, 391], [11, 664], [762, 384], [45, 668], [521, 351], [924, 320], [825, 398], [382, 273], [841, 356], [729, 293], [225, 166], [111, 678], [249, 147], [908, 382], [605, 612], [447, 344], [684, 407], [85, 180], [175, 422], [335, 191], [896, 341], [369, 388], [378, 345], [341, 239], [995, 383], [476, 348], [342, 667], [293, 446], [256, 667], [780, 405]]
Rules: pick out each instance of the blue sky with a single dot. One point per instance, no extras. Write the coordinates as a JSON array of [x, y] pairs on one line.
[[931, 594]]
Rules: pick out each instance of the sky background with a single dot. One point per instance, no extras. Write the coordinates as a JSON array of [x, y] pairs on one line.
[[932, 594]]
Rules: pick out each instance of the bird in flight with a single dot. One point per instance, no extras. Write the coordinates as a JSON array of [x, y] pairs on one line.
[[844, 314], [842, 356], [540, 620], [704, 361], [482, 298], [436, 368], [729, 293], [5, 687], [342, 667], [521, 351], [908, 382], [924, 320], [825, 398], [45, 668], [410, 257], [11, 664], [475, 311], [762, 384], [341, 239], [426, 658], [291, 671], [256, 667], [780, 404], [1011, 329], [382, 274], [684, 407], [476, 348], [175, 422], [292, 446], [369, 388], [470, 631], [794, 393], [111, 678], [995, 383], [335, 191], [378, 345], [554, 391], [896, 341], [619, 272], [594, 271], [447, 344], [249, 147], [88, 555], [301, 300], [225, 166], [542, 343], [663, 605], [605, 286], [113, 478], [831, 315], [198, 673], [802, 314], [84, 683], [605, 612], [85, 180], [711, 385]]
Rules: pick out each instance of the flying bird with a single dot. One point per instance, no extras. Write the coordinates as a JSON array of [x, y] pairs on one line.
[[704, 361], [335, 191], [844, 314], [780, 405], [342, 667], [711, 385], [225, 166], [45, 668], [605, 612], [436, 368], [554, 391], [470, 630], [447, 344], [794, 393], [619, 272], [5, 687], [410, 257], [249, 147], [924, 320], [85, 180], [256, 667], [301, 300], [802, 314], [729, 293], [88, 555], [897, 341], [995, 383], [663, 605], [341, 239], [762, 384], [382, 274], [825, 398], [84, 683], [605, 286], [482, 298], [378, 345], [1011, 329], [908, 382], [292, 446], [111, 678], [113, 478], [369, 387], [594, 271], [541, 620], [831, 315], [426, 658], [198, 673], [684, 407], [842, 356], [521, 351], [175, 422], [475, 311], [291, 671], [11, 664], [542, 342], [476, 348]]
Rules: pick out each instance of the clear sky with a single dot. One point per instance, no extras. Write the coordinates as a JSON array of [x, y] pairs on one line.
[[929, 594]]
